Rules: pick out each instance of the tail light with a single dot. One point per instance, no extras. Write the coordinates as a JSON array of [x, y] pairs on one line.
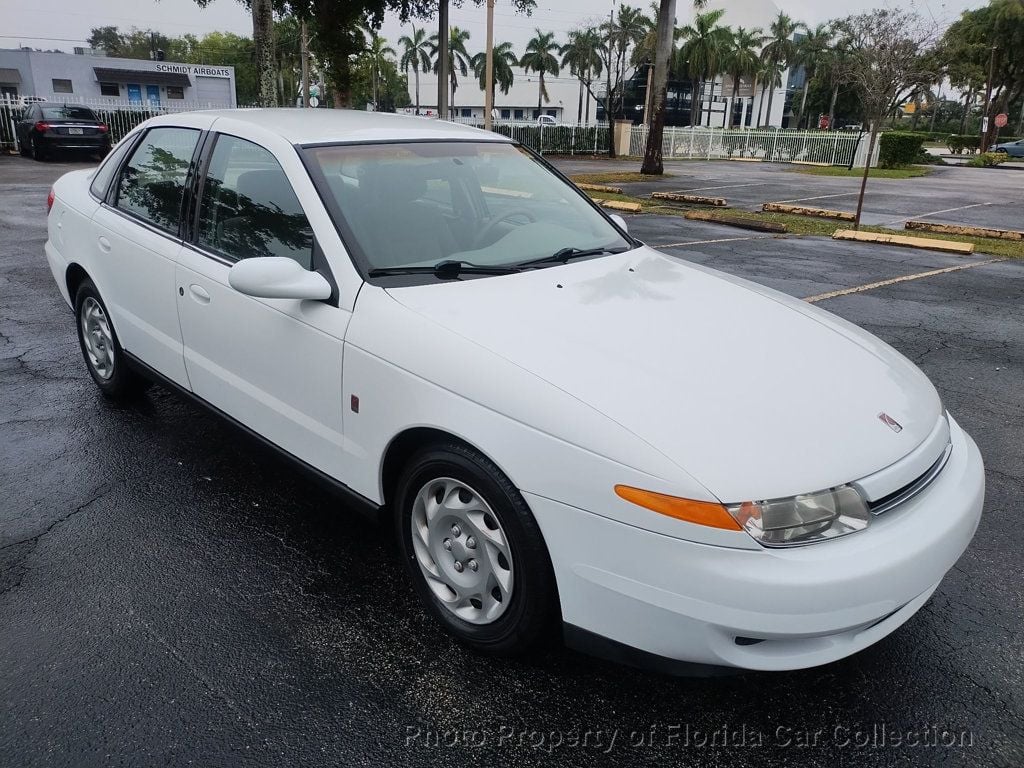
[[49, 201], [42, 127], [103, 128]]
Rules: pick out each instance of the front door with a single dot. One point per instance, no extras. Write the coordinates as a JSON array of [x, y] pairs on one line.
[[136, 240], [153, 95], [272, 364], [134, 93]]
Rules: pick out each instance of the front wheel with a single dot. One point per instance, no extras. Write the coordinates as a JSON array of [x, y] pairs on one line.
[[103, 354], [474, 551]]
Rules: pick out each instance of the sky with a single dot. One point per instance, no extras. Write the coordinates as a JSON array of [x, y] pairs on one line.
[[64, 24]]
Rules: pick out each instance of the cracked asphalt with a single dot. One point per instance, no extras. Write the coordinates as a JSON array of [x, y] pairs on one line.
[[170, 594]]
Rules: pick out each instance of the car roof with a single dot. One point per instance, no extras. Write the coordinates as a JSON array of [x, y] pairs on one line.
[[324, 126]]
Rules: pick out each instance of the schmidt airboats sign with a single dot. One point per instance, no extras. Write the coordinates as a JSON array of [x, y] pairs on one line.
[[199, 70]]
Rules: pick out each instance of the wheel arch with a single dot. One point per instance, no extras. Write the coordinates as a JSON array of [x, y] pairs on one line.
[[406, 443], [74, 276]]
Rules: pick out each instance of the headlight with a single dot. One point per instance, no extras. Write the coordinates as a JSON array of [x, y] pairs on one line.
[[803, 519]]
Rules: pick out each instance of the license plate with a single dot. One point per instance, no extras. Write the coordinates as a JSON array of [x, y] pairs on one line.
[[75, 131]]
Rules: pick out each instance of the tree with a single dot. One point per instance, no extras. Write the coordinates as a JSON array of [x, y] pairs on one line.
[[741, 60], [778, 53], [540, 58], [504, 59], [886, 60], [378, 52], [457, 60], [986, 41], [582, 55], [810, 52], [415, 56], [703, 52], [653, 159]]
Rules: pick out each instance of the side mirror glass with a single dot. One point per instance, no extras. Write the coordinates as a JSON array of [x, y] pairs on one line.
[[277, 277]]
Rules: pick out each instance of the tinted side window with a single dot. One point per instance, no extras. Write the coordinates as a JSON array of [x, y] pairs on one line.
[[153, 181], [106, 172], [248, 208]]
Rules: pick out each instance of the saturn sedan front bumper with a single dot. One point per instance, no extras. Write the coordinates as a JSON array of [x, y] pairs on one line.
[[627, 592]]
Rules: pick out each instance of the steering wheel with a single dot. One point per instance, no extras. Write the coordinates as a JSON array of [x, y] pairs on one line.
[[488, 230]]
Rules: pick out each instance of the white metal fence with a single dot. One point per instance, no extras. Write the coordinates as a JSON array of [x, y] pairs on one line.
[[120, 115], [774, 145]]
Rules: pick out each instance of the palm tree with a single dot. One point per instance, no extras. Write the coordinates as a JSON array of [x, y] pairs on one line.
[[778, 53], [540, 58], [504, 60], [377, 51], [703, 53], [582, 56], [741, 61], [415, 56], [458, 59], [810, 52], [770, 75]]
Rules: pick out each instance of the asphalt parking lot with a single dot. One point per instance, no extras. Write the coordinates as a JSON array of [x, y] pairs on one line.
[[170, 594]]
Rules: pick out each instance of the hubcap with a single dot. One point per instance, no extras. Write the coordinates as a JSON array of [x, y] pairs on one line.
[[462, 550], [97, 338]]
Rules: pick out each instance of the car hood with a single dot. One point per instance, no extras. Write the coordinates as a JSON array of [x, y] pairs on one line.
[[753, 393]]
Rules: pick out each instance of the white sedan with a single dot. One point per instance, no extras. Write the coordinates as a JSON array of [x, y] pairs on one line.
[[566, 429]]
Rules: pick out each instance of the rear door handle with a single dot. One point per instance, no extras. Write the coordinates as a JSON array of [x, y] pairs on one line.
[[104, 244], [199, 293]]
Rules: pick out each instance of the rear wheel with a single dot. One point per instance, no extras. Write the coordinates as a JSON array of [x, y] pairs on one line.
[[103, 354], [474, 551], [36, 149]]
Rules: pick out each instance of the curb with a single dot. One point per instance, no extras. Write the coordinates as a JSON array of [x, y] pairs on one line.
[[617, 205], [736, 221], [800, 210], [957, 229], [680, 197], [600, 188], [945, 246]]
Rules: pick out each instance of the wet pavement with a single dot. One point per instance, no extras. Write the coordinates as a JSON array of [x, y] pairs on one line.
[[171, 594]]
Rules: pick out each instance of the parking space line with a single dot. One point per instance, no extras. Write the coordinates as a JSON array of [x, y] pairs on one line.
[[895, 280], [819, 197], [724, 186], [708, 242], [936, 213]]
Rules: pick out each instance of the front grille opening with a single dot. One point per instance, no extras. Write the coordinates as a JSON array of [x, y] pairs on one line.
[[912, 488], [748, 640]]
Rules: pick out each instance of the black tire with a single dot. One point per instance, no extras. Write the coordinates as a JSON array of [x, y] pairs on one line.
[[23, 149], [532, 613], [122, 382], [37, 152]]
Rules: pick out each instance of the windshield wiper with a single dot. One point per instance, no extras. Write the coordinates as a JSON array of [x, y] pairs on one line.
[[563, 255], [446, 270]]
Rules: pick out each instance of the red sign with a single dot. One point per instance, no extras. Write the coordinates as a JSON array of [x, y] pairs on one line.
[[1001, 120]]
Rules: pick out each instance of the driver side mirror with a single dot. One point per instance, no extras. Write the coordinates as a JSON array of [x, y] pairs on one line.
[[277, 277], [619, 220]]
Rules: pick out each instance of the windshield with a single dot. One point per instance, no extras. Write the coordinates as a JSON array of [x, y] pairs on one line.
[[487, 204], [68, 113]]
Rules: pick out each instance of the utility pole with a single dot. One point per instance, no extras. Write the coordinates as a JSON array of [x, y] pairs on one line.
[[444, 62], [304, 39], [489, 78], [986, 126]]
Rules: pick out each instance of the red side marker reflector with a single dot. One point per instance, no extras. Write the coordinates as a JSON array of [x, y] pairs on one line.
[[355, 404]]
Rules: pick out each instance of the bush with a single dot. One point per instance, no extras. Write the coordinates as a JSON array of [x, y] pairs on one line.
[[957, 143], [988, 160], [899, 149]]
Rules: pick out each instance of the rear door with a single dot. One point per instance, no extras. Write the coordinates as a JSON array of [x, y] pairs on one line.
[[136, 237]]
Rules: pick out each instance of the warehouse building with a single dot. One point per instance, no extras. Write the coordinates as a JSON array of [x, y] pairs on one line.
[[101, 79]]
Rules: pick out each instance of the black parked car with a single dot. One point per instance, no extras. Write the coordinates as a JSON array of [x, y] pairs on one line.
[[47, 126]]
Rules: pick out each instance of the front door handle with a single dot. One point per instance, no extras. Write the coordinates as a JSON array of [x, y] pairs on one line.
[[199, 293], [104, 244]]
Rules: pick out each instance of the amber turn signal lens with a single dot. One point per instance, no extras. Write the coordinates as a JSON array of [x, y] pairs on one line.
[[699, 512]]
